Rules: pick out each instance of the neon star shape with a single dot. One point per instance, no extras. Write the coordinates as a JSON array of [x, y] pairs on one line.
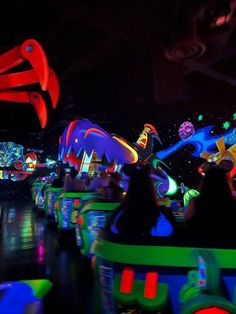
[[226, 125], [200, 117]]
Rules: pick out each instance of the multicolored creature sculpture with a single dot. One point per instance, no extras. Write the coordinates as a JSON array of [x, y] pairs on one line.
[[41, 73], [83, 136]]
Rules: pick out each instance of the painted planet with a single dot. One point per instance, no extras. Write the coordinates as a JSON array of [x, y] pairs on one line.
[[186, 130]]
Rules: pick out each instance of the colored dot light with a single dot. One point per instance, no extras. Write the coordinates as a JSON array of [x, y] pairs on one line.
[[76, 202], [80, 221]]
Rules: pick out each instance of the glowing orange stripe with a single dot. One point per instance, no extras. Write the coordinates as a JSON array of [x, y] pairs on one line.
[[133, 151], [94, 130]]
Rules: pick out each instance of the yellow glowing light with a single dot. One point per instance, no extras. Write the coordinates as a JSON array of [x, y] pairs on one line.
[[133, 151], [74, 215], [76, 140]]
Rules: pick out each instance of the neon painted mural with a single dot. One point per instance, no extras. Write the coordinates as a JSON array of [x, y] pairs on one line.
[[9, 153], [15, 165], [202, 140]]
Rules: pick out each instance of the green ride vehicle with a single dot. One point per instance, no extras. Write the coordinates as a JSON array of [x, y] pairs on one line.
[[91, 219], [150, 278]]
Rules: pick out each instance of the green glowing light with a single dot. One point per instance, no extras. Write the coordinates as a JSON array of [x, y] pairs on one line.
[[172, 187], [188, 195], [234, 116]]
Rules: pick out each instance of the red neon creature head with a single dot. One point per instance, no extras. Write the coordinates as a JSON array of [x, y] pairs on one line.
[[41, 73]]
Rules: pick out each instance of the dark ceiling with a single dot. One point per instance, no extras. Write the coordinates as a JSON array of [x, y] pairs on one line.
[[123, 63]]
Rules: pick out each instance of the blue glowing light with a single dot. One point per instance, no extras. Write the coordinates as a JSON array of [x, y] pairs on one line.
[[163, 227], [202, 277]]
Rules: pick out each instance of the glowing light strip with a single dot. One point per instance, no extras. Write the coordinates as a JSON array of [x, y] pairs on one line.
[[85, 163], [151, 284], [133, 151], [94, 130]]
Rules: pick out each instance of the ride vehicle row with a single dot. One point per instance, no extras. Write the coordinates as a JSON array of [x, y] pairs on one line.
[[148, 277]]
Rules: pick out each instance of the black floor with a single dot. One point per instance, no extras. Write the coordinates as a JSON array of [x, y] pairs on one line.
[[30, 249]]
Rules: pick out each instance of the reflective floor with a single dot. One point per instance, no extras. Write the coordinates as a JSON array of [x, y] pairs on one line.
[[30, 249]]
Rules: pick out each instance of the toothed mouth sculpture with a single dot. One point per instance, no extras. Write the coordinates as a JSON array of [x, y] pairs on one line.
[[84, 136]]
